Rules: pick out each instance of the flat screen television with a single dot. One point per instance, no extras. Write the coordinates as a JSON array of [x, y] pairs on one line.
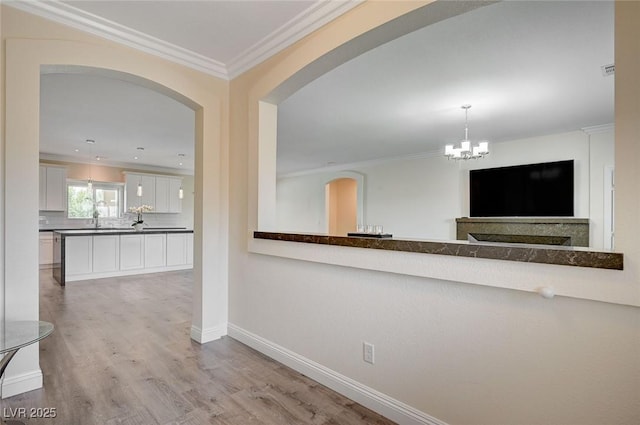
[[531, 190]]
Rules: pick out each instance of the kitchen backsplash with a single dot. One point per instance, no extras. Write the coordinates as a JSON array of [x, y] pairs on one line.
[[51, 219]]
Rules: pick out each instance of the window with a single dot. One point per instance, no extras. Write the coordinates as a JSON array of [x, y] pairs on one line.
[[106, 198]]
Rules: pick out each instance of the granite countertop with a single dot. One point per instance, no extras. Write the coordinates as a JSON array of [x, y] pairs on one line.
[[544, 254], [50, 228], [120, 231]]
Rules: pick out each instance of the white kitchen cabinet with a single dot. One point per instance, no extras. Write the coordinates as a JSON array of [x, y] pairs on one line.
[[46, 249], [175, 203], [176, 249], [161, 192], [162, 195], [53, 188], [122, 254], [190, 248], [155, 250], [78, 255], [131, 252], [148, 197], [106, 253], [130, 187]]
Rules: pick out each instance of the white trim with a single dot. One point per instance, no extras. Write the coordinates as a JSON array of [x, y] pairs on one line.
[[93, 276], [209, 334], [18, 384], [368, 397], [116, 164], [359, 164], [321, 13], [65, 14], [599, 129]]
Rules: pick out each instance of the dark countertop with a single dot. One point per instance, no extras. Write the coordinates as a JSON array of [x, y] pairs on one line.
[[567, 256], [58, 228], [130, 231]]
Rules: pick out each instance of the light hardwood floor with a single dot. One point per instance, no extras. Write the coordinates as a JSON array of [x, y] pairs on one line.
[[121, 355]]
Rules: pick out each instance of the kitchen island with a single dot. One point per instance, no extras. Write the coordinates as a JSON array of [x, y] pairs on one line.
[[100, 253]]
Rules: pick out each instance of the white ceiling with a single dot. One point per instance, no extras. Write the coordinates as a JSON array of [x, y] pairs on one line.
[[527, 68], [222, 38], [120, 117]]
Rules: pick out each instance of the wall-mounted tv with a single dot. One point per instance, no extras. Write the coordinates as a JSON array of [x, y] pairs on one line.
[[531, 190]]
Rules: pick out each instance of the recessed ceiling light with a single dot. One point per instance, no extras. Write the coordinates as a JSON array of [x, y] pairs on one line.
[[97, 158], [181, 163], [77, 150], [135, 157]]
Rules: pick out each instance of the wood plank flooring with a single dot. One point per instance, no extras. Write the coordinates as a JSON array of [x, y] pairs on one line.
[[121, 355]]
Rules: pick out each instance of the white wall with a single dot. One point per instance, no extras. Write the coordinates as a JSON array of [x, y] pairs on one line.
[[420, 198], [463, 353]]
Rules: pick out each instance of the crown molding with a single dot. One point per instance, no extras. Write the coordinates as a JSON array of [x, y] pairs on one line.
[[118, 164], [321, 13], [361, 164], [71, 16], [599, 129], [303, 24]]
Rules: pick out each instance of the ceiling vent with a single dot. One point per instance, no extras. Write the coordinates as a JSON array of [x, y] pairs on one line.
[[608, 70]]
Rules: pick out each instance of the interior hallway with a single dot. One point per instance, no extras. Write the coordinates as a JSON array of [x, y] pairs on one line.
[[121, 354]]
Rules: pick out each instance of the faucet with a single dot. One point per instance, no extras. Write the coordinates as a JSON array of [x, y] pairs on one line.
[[96, 214]]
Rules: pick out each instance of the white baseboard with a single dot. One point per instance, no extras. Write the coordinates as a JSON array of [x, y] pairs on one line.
[[207, 335], [368, 397], [120, 273], [14, 385]]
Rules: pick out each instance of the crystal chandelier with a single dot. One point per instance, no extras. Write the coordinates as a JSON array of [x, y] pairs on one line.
[[466, 149]]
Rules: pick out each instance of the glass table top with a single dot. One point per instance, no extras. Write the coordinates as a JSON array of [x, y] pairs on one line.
[[18, 334]]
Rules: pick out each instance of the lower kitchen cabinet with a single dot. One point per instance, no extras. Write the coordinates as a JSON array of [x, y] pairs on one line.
[[106, 254], [119, 254], [177, 249], [155, 250], [190, 248], [79, 255], [131, 252], [46, 249]]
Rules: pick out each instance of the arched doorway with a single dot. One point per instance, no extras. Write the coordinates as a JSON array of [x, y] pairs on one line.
[[24, 61], [341, 206]]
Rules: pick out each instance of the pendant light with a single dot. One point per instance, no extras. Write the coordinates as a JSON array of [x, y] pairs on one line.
[[90, 142], [466, 150], [139, 189]]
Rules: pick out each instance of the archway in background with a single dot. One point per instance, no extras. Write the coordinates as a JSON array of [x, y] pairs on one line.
[[341, 203]]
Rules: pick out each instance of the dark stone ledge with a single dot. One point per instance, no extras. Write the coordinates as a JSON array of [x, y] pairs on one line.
[[566, 256]]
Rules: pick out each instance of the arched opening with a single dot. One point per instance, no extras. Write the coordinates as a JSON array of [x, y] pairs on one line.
[[25, 60], [341, 206]]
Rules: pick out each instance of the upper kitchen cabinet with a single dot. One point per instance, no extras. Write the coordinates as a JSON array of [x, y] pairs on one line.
[[159, 191], [148, 188], [53, 181], [168, 189]]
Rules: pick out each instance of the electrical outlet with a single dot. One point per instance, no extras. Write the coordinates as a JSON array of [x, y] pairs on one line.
[[368, 352]]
